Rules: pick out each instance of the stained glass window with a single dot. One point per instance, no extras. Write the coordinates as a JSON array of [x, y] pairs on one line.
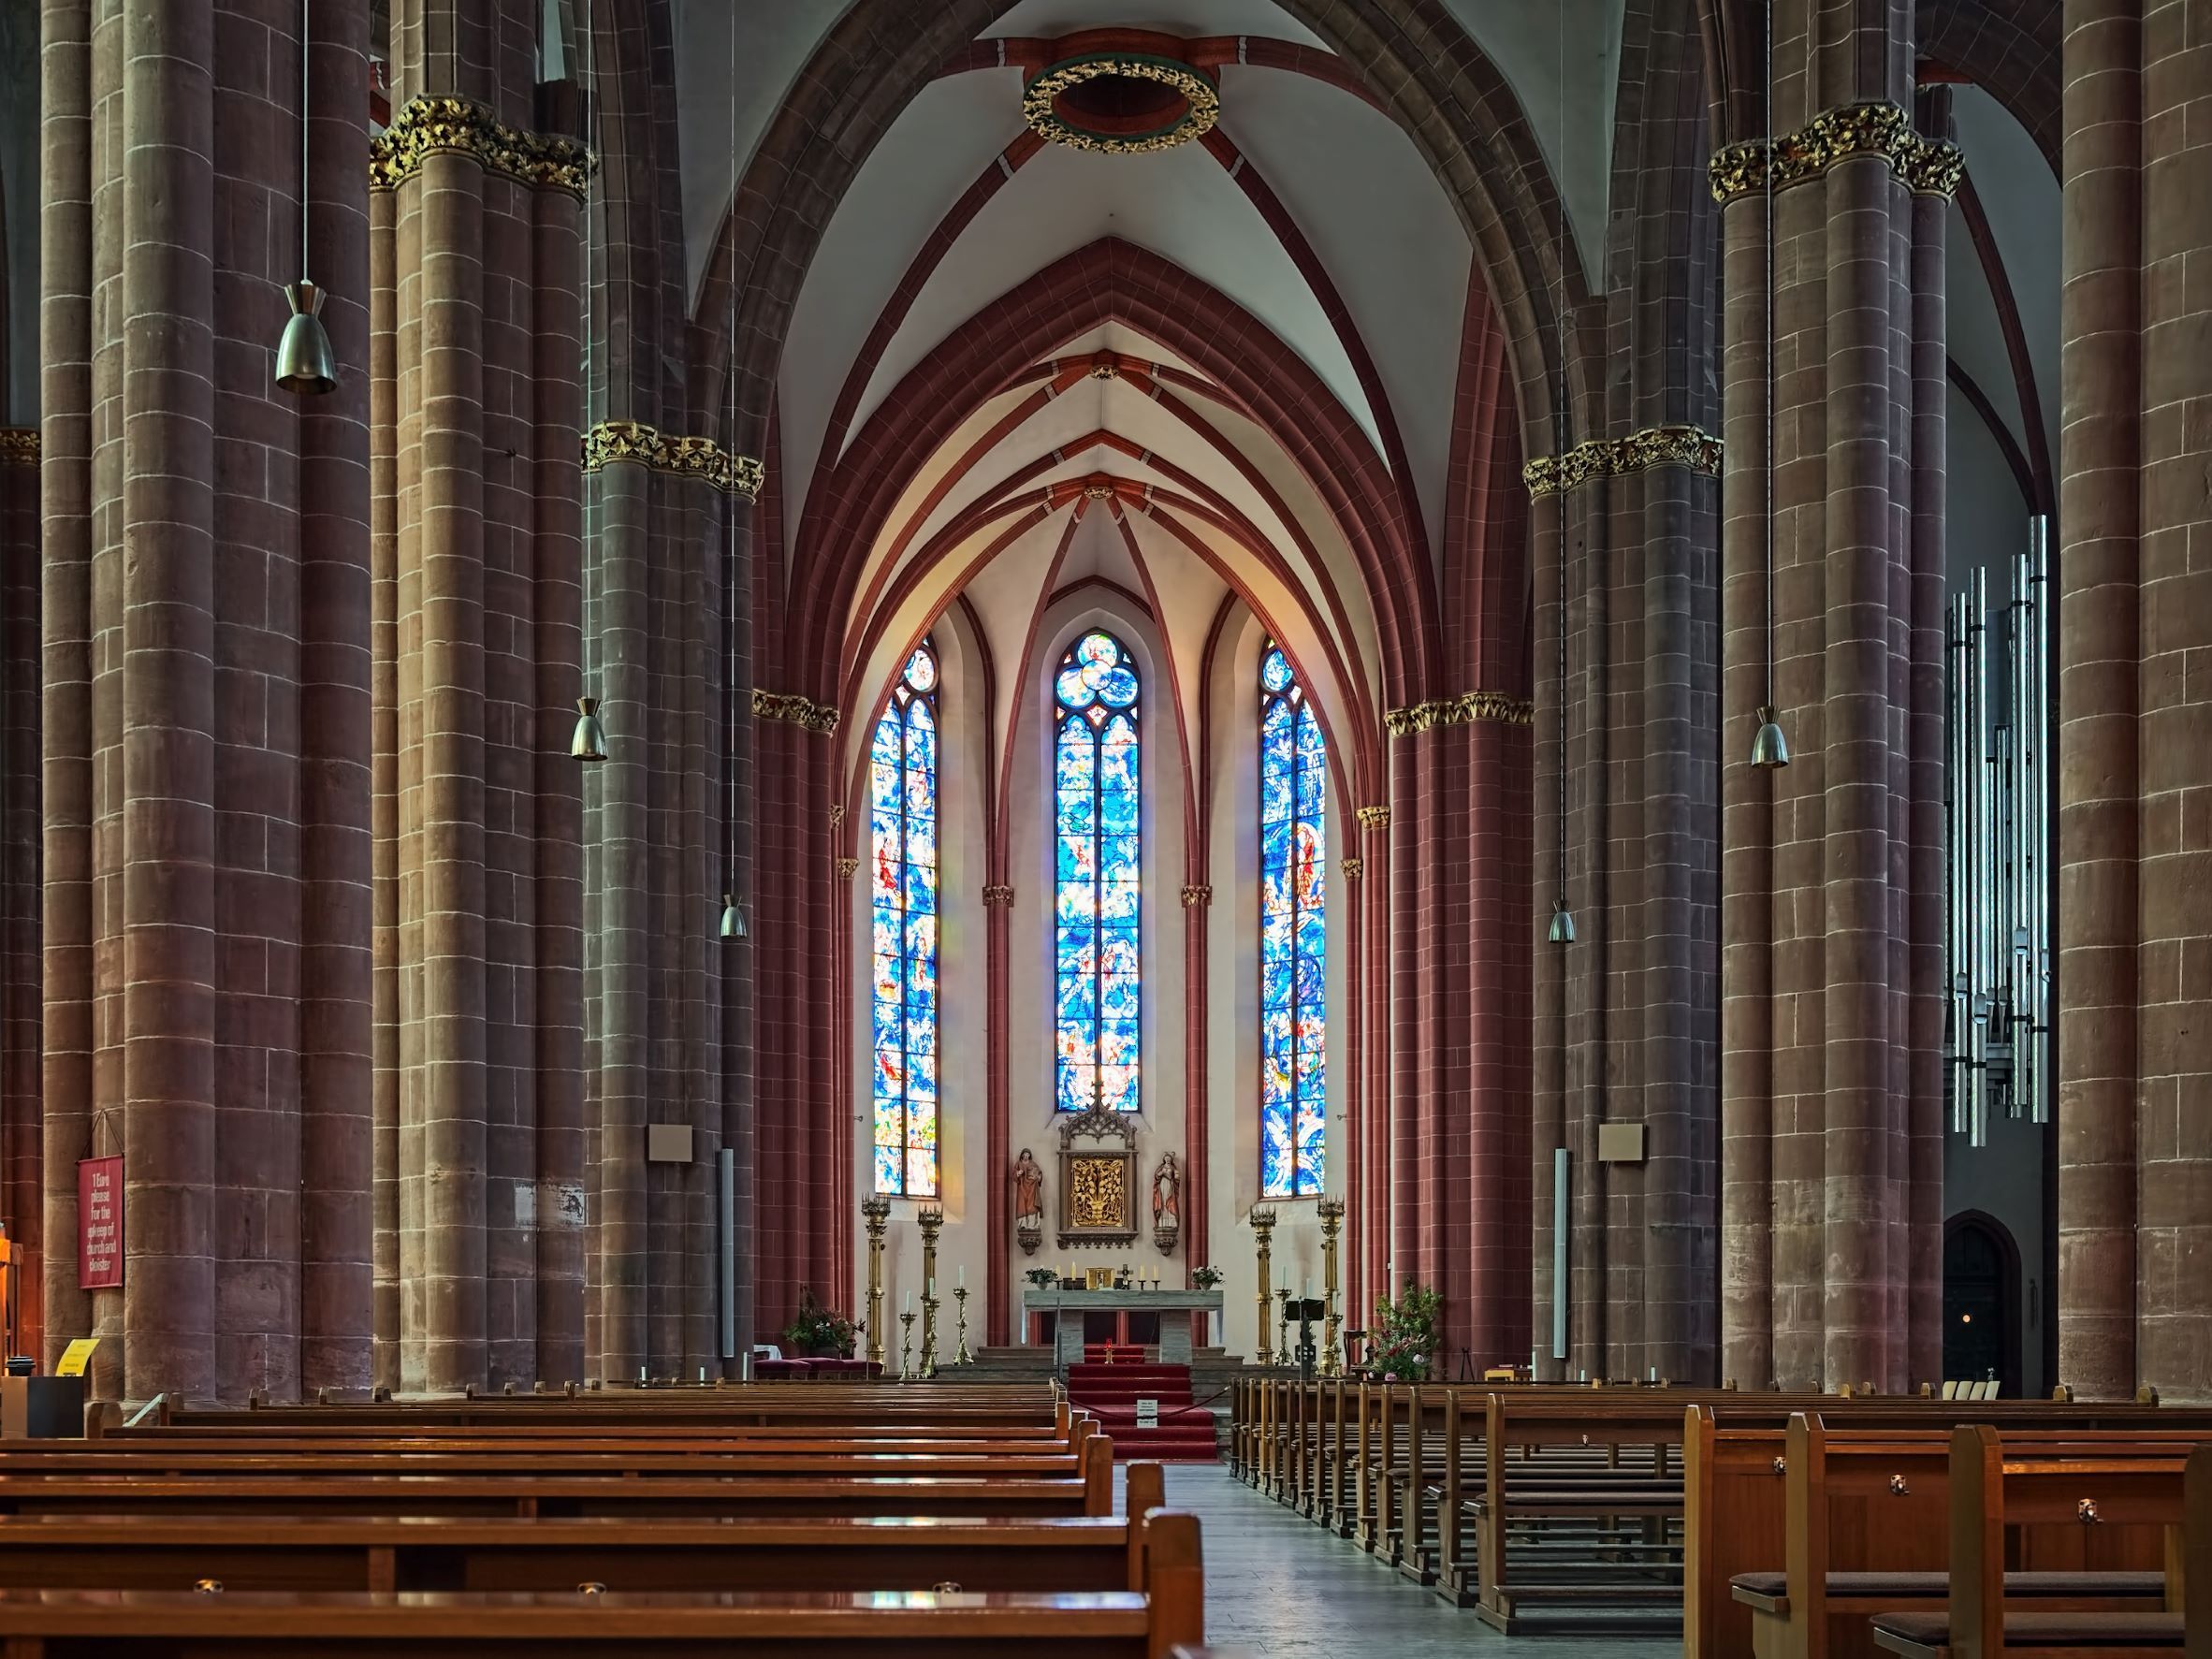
[[902, 773], [1293, 954], [1097, 1034]]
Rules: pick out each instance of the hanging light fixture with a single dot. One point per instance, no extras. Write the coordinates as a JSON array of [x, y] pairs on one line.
[[304, 361], [732, 927], [1561, 931], [589, 743], [1770, 749], [732, 917], [589, 740]]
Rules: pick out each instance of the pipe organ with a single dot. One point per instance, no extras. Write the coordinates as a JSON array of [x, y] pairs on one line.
[[1998, 787]]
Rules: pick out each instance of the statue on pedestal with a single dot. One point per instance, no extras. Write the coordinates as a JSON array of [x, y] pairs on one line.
[[1167, 1204], [1028, 1187]]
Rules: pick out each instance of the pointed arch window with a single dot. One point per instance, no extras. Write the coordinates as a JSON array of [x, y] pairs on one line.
[[1098, 800], [902, 774], [1293, 925]]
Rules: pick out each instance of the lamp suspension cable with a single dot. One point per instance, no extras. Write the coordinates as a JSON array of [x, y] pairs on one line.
[[588, 741], [732, 920], [1561, 931], [304, 361], [1770, 749]]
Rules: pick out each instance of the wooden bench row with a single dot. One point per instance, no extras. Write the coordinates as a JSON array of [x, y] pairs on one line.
[[1540, 1505], [1929, 1541], [381, 1532]]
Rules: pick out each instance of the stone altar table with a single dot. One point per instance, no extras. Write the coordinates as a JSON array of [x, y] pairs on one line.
[[1174, 1335]]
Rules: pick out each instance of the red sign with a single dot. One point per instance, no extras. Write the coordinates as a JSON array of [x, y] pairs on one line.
[[99, 1223]]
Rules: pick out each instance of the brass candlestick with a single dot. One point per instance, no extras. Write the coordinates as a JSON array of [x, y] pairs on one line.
[[1264, 1226], [905, 1347], [930, 1221], [961, 1355], [1332, 1214], [1283, 1346], [876, 1212]]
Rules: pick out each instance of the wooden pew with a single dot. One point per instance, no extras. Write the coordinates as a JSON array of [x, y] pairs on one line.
[[1735, 1457], [2078, 1496], [592, 1623], [412, 1553], [1868, 1520], [788, 1496]]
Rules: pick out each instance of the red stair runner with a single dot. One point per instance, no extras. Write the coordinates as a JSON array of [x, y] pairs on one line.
[[1110, 1394]]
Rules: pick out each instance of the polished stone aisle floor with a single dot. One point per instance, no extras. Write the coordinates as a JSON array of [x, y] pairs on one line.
[[1278, 1586]]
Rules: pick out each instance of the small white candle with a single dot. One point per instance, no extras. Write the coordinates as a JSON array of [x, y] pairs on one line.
[[963, 1279], [910, 1307]]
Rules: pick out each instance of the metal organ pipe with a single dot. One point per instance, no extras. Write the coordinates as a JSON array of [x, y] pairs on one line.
[[2000, 812]]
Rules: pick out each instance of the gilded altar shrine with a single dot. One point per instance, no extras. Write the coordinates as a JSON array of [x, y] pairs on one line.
[[1097, 1179]]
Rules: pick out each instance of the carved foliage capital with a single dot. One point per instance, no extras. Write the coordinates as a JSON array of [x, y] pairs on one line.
[[19, 446], [798, 710], [1884, 131], [1463, 709], [1686, 446], [999, 893], [613, 441], [458, 126]]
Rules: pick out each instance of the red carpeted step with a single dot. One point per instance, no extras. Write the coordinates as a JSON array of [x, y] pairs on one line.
[[1183, 1433]]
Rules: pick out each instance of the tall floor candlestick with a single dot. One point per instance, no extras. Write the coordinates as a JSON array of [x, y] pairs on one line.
[[930, 1220], [1332, 1214], [876, 1212], [1264, 1226], [960, 1354]]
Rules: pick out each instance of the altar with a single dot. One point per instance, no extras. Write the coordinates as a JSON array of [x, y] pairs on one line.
[[1072, 1308]]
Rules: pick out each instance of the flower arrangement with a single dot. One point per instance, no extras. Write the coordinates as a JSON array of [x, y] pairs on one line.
[[1044, 1278], [820, 1332], [1402, 1346], [1205, 1279]]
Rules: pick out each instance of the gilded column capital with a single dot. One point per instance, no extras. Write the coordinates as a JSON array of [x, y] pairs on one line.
[[1850, 132], [1690, 447], [613, 441], [998, 894], [1197, 893], [1353, 868], [1465, 709], [425, 126], [19, 446], [798, 710], [837, 814], [1374, 817], [847, 867]]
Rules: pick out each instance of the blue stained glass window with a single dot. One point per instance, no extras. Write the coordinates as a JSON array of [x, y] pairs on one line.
[[1293, 954], [902, 790], [1096, 954]]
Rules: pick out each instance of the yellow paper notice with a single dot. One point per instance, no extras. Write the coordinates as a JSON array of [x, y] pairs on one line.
[[76, 1356]]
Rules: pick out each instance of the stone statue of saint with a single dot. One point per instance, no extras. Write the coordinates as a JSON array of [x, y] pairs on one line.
[[1029, 1184], [1166, 1190]]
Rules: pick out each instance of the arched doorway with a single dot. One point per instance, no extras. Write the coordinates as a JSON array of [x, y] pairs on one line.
[[1981, 1301]]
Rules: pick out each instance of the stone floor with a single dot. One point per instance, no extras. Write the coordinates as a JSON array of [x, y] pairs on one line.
[[1278, 1586]]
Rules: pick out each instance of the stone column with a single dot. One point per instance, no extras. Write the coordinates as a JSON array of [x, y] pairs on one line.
[[1198, 903], [1371, 1214], [21, 1153], [2135, 852], [479, 893], [67, 535], [1852, 1187], [205, 671]]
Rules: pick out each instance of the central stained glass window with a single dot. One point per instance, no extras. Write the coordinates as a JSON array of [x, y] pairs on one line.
[[902, 777], [1097, 1032], [1293, 954]]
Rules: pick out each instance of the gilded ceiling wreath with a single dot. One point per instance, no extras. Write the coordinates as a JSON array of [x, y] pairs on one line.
[[1121, 103]]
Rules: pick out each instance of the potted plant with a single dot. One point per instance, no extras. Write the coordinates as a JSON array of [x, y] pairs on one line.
[[1044, 1278], [1402, 1346], [1205, 1279], [818, 1332]]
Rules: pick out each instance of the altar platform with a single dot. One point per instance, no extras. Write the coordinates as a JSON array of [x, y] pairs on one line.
[[1148, 1318]]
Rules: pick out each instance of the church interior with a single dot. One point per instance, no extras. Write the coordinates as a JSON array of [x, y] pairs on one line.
[[1251, 754]]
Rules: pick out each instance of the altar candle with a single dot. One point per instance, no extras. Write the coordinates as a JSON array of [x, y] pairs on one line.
[[963, 1279], [910, 1307]]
